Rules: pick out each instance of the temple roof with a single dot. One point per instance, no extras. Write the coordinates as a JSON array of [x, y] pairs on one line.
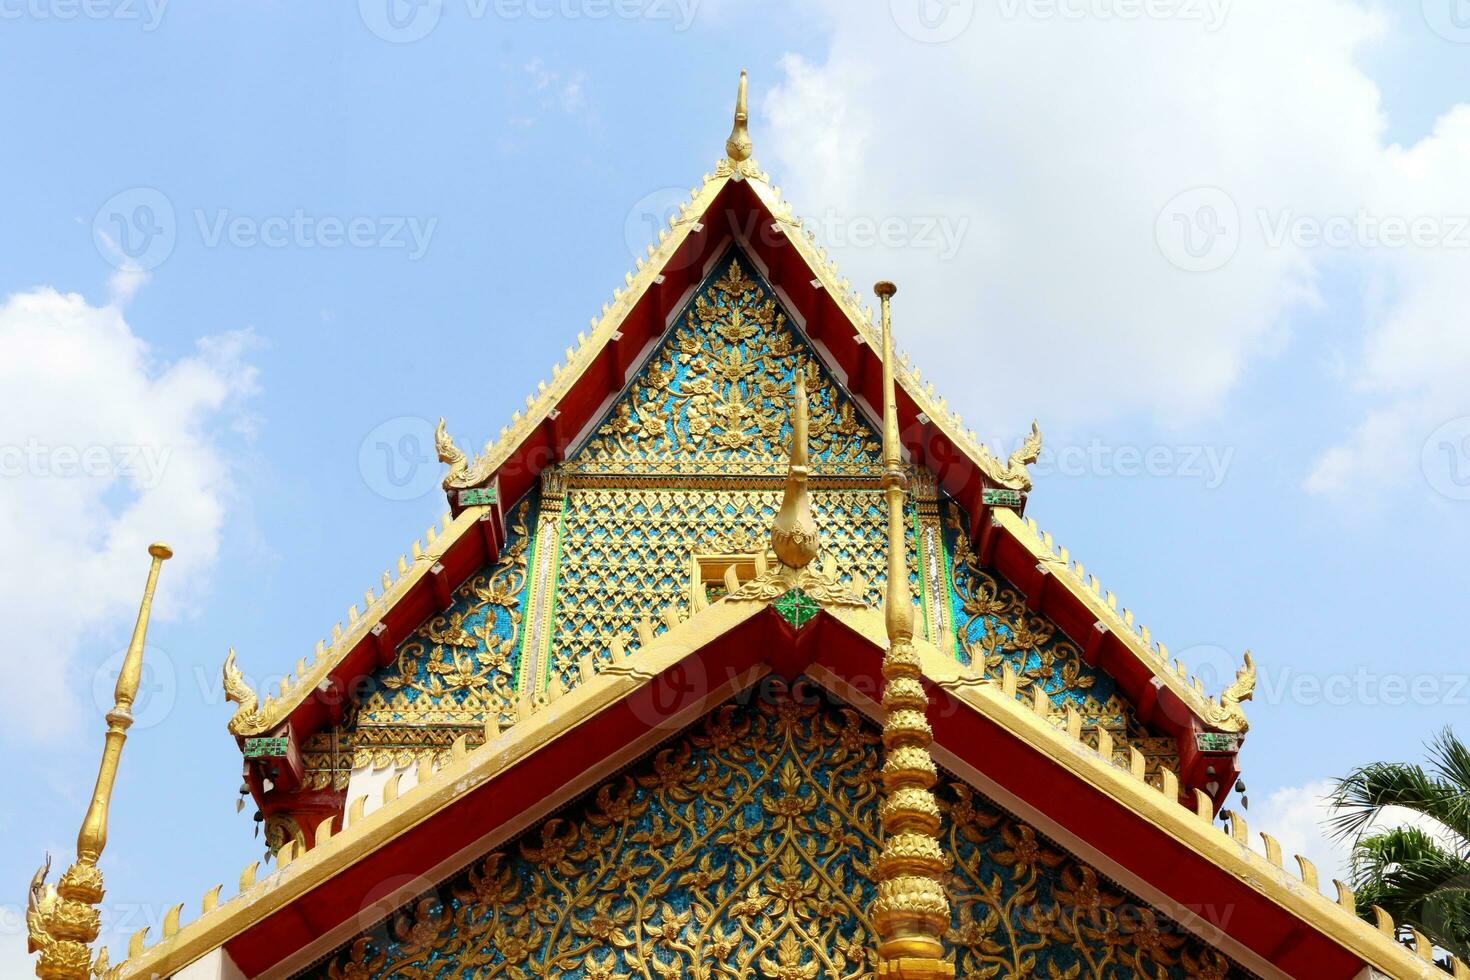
[[1043, 762], [736, 198]]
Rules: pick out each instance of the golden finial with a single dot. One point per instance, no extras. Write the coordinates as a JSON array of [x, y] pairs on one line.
[[738, 147], [911, 912], [794, 532], [65, 923]]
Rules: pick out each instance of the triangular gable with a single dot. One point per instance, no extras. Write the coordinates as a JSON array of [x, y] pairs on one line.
[[628, 337], [744, 846], [736, 204], [714, 396]]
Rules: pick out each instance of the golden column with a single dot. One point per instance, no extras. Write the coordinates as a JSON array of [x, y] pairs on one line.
[[911, 912], [63, 923]]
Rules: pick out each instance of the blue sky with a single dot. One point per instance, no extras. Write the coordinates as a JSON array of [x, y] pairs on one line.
[[1303, 404]]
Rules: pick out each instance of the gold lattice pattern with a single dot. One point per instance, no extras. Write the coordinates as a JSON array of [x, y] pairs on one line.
[[626, 554], [744, 849]]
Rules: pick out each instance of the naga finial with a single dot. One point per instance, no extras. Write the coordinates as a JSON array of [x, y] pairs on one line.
[[1226, 714], [246, 719], [451, 455], [738, 147], [794, 531]]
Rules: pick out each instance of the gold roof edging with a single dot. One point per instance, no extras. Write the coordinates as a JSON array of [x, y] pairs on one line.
[[253, 716], [1224, 713]]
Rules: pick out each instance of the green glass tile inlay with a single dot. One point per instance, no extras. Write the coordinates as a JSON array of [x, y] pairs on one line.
[[796, 607]]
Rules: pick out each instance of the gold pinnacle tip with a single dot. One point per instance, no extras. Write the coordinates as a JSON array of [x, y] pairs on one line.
[[738, 147], [160, 550], [884, 288]]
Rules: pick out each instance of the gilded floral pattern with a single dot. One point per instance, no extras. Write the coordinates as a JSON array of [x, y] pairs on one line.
[[455, 669], [714, 398], [743, 850]]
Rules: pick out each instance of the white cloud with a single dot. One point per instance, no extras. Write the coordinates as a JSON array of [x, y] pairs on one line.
[[102, 450], [1063, 146], [1297, 816]]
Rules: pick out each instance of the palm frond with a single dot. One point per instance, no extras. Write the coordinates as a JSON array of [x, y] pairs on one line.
[[1365, 792], [1416, 880]]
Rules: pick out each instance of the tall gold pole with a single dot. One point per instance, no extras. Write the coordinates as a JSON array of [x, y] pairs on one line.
[[64, 924], [911, 912]]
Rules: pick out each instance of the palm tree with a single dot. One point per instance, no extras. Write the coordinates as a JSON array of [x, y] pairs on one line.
[[1420, 877]]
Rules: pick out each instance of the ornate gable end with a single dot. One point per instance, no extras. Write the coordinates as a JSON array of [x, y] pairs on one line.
[[714, 396], [744, 848]]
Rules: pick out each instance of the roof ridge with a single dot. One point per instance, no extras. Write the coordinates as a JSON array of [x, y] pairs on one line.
[[1222, 711], [253, 716]]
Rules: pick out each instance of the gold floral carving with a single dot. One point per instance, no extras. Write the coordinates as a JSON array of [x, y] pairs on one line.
[[450, 676], [711, 397], [743, 849]]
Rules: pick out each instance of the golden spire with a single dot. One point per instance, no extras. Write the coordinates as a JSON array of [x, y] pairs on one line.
[[62, 922], [794, 532], [911, 912], [738, 147]]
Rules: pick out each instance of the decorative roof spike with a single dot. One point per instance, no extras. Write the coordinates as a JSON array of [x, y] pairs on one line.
[[739, 147], [794, 530], [62, 922], [911, 911]]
